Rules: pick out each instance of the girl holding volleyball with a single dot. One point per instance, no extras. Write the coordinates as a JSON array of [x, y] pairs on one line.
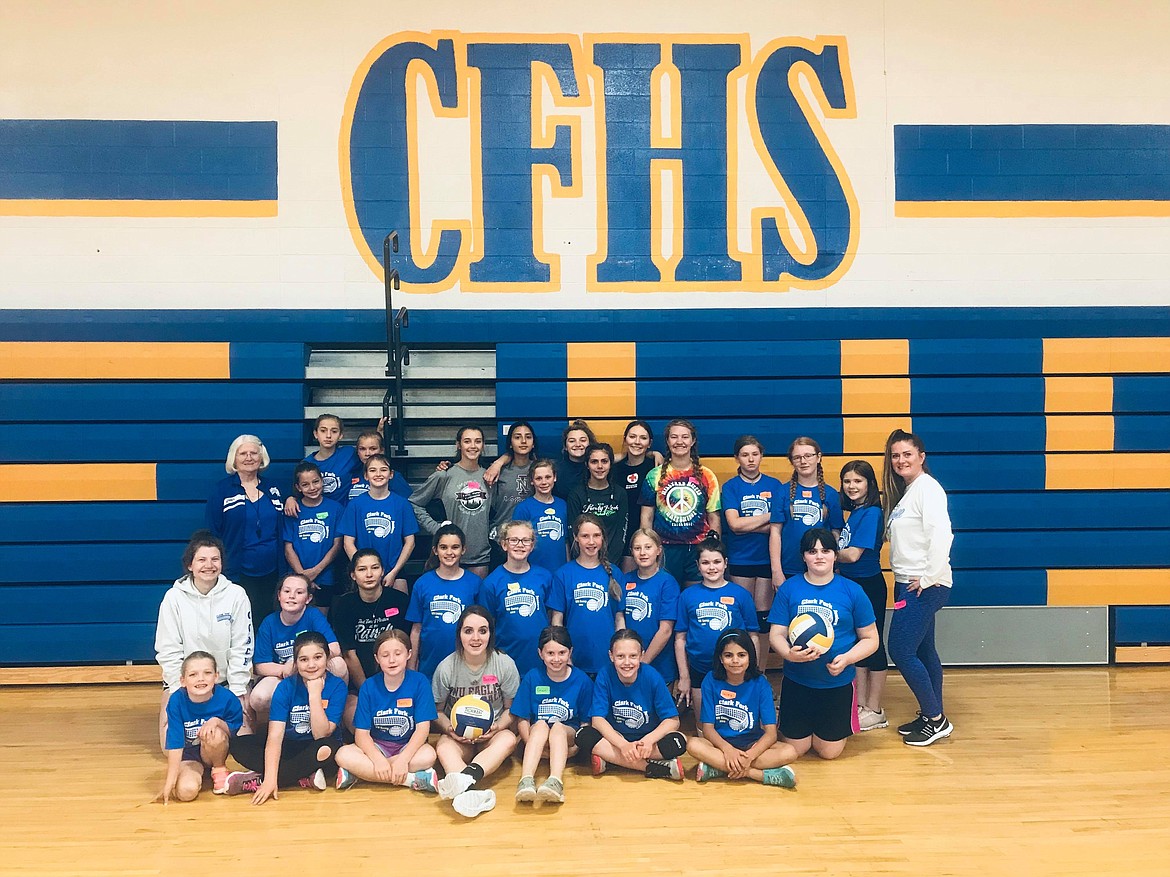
[[919, 528], [478, 668], [586, 598], [859, 558], [738, 719], [394, 714], [550, 707], [817, 709], [634, 718]]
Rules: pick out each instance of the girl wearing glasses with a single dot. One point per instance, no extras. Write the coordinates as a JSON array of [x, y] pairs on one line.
[[517, 595], [811, 503], [438, 599]]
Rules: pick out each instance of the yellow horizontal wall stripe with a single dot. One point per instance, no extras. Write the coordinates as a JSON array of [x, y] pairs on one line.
[[111, 207], [600, 360], [1141, 655], [1116, 471], [74, 482], [1078, 395], [1109, 356], [610, 431], [867, 435], [1070, 432], [113, 360], [959, 209], [881, 356], [875, 396], [778, 467], [589, 399], [1108, 587]]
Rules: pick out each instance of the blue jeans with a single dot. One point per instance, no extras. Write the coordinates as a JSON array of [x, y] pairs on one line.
[[911, 644]]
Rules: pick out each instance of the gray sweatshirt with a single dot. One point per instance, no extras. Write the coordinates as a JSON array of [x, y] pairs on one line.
[[467, 500]]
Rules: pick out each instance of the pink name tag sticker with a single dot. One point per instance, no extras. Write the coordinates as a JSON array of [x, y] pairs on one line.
[[391, 612], [901, 604], [491, 680]]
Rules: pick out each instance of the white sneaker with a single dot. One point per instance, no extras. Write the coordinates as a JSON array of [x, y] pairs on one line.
[[471, 804], [453, 785], [869, 720]]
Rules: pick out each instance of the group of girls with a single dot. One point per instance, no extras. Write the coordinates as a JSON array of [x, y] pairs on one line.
[[604, 601]]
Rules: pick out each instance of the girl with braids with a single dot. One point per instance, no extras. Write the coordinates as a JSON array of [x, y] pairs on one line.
[[811, 503], [680, 502], [919, 529], [630, 471], [586, 598]]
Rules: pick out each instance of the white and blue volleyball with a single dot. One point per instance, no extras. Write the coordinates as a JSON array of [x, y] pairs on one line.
[[809, 629], [471, 716]]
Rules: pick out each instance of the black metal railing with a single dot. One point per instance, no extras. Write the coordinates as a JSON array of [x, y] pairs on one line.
[[397, 354]]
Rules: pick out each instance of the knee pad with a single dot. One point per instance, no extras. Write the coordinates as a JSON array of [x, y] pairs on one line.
[[587, 737], [672, 745], [762, 620]]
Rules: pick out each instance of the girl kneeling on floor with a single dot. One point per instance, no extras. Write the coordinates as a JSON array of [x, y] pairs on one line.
[[738, 719], [634, 719], [302, 728]]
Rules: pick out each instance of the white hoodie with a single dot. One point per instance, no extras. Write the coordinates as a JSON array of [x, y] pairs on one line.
[[218, 622]]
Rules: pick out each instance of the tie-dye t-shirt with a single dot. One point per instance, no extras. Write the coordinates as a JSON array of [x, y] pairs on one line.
[[681, 499]]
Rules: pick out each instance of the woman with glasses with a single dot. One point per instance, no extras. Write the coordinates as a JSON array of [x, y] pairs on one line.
[[516, 593]]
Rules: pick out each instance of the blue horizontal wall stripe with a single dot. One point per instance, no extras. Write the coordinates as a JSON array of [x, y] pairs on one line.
[[748, 359], [252, 361], [1004, 587], [153, 562], [66, 644], [1032, 162], [522, 362], [111, 603], [135, 402], [497, 326], [1061, 510], [988, 472], [977, 395], [987, 433], [55, 523], [136, 443], [90, 159], [1141, 432], [178, 482], [1141, 393], [976, 356], [1061, 549], [1134, 625]]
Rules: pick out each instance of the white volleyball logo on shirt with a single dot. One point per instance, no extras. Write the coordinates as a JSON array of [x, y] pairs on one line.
[[553, 711], [713, 615], [737, 717], [393, 724], [637, 606], [447, 608], [379, 524], [591, 595], [312, 530], [522, 603], [630, 714]]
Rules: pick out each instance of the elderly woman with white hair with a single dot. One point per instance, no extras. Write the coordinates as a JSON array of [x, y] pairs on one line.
[[247, 513]]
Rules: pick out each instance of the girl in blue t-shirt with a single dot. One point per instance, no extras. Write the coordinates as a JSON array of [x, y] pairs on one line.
[[817, 706], [517, 595], [585, 596], [394, 714], [273, 659], [810, 503], [634, 719], [650, 603], [311, 540], [302, 733], [382, 520], [752, 503], [860, 560], [548, 515], [552, 703], [737, 720], [438, 599], [704, 612]]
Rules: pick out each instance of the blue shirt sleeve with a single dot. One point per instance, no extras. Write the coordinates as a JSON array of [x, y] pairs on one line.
[[865, 528], [265, 652], [176, 735], [601, 700], [707, 700], [281, 706], [347, 526], [682, 614], [320, 624], [556, 590], [836, 516], [414, 612], [335, 692], [747, 606], [767, 706], [584, 696], [668, 599], [406, 512], [363, 716], [424, 702], [780, 613], [522, 703]]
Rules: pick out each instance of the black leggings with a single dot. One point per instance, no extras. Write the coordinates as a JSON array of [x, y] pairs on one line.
[[298, 758], [875, 588]]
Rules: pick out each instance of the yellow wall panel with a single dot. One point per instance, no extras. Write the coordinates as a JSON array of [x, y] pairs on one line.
[[1114, 471], [867, 435], [74, 482], [1079, 433], [875, 396], [114, 360], [881, 356], [1078, 395], [589, 399], [601, 360], [1108, 587], [1079, 356]]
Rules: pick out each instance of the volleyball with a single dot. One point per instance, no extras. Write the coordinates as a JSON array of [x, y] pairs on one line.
[[808, 629], [471, 716]]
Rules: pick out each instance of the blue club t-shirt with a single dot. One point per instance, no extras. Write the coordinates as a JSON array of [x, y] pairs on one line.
[[636, 709], [646, 603], [274, 640], [392, 716], [550, 521], [749, 500], [312, 533], [583, 596], [338, 472], [380, 524], [185, 717], [704, 613], [542, 699], [842, 604], [802, 514], [436, 604], [738, 712], [519, 603], [290, 704], [863, 530]]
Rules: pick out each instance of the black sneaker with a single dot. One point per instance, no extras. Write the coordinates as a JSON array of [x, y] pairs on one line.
[[911, 726], [929, 731]]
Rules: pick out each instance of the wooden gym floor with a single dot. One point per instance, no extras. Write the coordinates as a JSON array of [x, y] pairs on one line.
[[1050, 771]]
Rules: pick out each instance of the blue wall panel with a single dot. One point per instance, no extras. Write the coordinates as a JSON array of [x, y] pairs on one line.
[[193, 481], [1134, 625], [1002, 587], [976, 356], [977, 395], [260, 361], [522, 362], [790, 397], [76, 643], [1062, 510], [1060, 549], [134, 401], [703, 360], [98, 562], [56, 523], [105, 603], [117, 443]]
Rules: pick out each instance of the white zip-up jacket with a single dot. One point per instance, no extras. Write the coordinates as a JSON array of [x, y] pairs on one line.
[[218, 622], [920, 534]]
